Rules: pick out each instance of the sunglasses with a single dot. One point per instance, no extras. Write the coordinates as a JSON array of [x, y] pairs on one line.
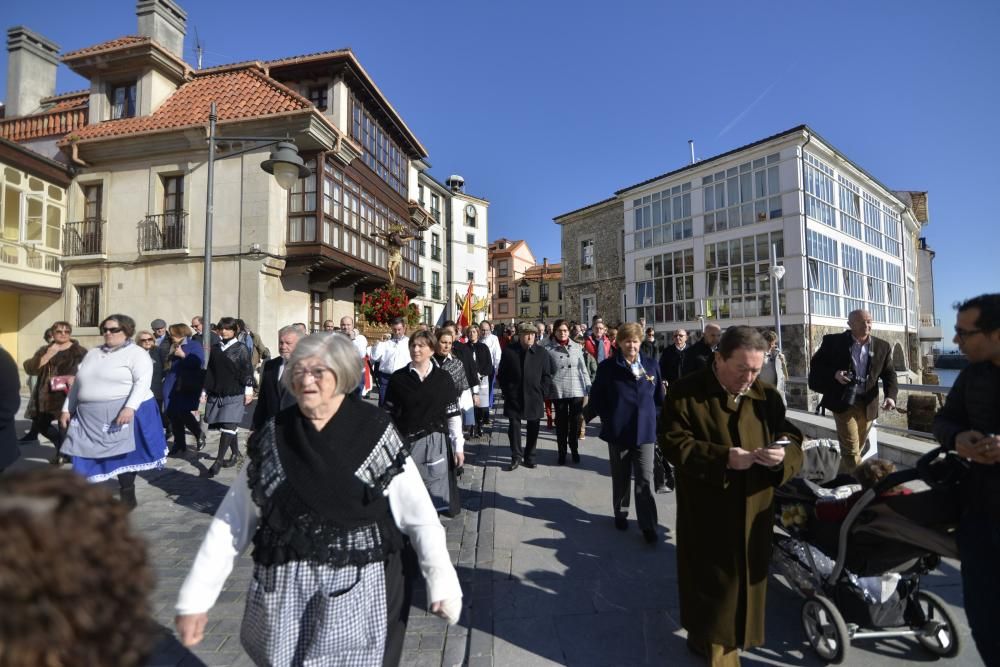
[[146, 340], [62, 331], [111, 330]]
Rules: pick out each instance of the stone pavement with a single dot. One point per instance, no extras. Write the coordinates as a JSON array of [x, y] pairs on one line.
[[547, 578]]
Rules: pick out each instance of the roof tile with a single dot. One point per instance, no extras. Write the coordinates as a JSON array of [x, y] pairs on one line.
[[127, 40], [239, 94]]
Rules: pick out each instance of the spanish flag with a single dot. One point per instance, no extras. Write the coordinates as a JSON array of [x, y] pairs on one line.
[[465, 316]]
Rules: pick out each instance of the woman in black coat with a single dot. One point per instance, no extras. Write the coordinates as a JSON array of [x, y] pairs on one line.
[[525, 377], [10, 401]]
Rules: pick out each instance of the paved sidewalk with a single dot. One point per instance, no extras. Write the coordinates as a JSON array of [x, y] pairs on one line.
[[547, 578]]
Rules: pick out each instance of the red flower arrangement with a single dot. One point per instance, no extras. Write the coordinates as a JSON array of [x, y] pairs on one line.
[[387, 303]]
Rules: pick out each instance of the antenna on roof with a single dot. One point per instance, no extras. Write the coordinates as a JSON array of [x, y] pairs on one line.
[[197, 45]]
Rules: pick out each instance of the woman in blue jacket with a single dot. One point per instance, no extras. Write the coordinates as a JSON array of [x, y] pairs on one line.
[[182, 383], [626, 395]]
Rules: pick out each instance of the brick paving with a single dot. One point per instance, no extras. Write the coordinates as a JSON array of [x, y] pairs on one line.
[[547, 579]]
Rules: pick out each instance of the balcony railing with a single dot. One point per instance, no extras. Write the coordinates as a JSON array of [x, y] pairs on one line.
[[436, 292], [166, 231], [85, 237], [436, 214], [504, 292], [436, 253]]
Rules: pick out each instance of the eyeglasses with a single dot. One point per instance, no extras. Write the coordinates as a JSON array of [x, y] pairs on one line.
[[318, 373], [62, 331], [679, 336], [962, 334], [146, 340], [111, 330]]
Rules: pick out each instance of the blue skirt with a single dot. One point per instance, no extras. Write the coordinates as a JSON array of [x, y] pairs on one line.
[[150, 451]]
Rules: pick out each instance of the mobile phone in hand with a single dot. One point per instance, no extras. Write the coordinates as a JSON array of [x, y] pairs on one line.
[[781, 443]]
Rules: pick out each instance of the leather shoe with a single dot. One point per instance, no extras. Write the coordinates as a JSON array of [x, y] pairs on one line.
[[214, 470], [562, 459], [650, 536], [576, 457], [514, 465], [529, 464], [621, 523], [201, 441]]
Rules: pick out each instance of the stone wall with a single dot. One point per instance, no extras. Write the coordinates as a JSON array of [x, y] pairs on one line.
[[604, 224]]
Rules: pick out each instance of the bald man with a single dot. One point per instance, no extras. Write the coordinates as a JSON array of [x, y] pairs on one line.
[[700, 355]]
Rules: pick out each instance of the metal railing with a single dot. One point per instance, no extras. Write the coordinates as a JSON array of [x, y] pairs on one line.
[[84, 237], [436, 253], [166, 231], [435, 291]]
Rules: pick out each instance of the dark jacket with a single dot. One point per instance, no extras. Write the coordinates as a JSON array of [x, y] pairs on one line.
[[10, 401], [835, 355], [627, 406], [974, 404], [648, 349], [183, 380], [525, 378], [673, 363], [64, 362], [156, 384], [724, 517], [697, 357], [229, 372], [463, 353], [484, 359], [272, 397]]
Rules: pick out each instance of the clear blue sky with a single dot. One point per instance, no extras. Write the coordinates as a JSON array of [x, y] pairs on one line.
[[547, 106]]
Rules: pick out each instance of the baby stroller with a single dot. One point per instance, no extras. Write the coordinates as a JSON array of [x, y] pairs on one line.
[[860, 575]]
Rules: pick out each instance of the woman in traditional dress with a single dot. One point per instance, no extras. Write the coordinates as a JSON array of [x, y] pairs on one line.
[[483, 358], [112, 422], [326, 499], [422, 399], [229, 389]]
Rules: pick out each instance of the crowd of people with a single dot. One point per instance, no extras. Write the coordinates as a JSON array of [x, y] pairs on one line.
[[341, 496]]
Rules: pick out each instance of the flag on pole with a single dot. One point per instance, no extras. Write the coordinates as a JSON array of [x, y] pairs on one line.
[[465, 316]]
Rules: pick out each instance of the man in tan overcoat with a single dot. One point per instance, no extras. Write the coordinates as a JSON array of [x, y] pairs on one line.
[[719, 428]]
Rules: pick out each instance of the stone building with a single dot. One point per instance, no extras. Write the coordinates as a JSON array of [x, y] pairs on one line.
[[594, 261], [539, 292], [507, 264], [131, 239]]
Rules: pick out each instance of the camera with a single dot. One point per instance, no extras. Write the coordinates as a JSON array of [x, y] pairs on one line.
[[854, 384]]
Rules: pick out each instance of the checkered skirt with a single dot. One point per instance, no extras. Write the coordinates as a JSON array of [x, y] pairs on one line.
[[303, 613]]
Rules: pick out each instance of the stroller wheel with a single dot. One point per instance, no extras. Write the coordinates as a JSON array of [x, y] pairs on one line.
[[940, 634], [825, 629]]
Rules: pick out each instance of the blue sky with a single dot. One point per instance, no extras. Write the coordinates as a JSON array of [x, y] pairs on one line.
[[545, 107]]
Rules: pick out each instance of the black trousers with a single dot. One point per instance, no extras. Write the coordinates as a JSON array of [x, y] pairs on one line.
[[42, 423], [568, 412], [514, 434], [178, 423]]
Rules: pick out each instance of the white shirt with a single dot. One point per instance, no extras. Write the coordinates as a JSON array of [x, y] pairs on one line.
[[493, 343], [392, 355], [360, 343], [106, 375], [235, 522]]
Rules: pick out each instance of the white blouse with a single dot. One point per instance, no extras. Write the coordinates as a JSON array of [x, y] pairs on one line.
[[105, 375], [235, 522]]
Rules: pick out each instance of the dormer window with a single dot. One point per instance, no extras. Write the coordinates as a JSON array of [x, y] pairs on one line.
[[122, 97], [317, 95]]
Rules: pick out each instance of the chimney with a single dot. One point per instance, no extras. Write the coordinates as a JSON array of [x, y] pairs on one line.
[[31, 70], [545, 262], [164, 22], [691, 146]]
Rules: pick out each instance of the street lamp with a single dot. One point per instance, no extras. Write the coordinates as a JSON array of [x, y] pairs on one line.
[[287, 167], [777, 273]]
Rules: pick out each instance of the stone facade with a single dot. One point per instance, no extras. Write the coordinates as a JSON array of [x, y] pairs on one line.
[[602, 225]]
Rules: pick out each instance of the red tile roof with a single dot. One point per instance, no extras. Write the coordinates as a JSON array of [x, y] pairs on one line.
[[239, 94], [69, 101], [111, 44]]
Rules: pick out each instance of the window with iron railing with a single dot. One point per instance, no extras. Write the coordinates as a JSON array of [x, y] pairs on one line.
[[524, 294], [436, 247], [503, 290]]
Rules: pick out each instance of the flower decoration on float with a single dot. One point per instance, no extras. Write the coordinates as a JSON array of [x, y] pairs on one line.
[[387, 303]]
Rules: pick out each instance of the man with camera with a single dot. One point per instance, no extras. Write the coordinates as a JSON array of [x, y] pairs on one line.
[[846, 370]]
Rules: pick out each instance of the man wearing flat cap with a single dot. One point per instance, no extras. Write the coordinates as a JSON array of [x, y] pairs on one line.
[[525, 378]]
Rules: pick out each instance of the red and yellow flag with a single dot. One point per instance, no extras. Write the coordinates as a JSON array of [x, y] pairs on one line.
[[465, 316]]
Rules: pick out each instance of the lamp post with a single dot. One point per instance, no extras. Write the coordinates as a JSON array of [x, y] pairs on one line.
[[287, 167], [777, 273]]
